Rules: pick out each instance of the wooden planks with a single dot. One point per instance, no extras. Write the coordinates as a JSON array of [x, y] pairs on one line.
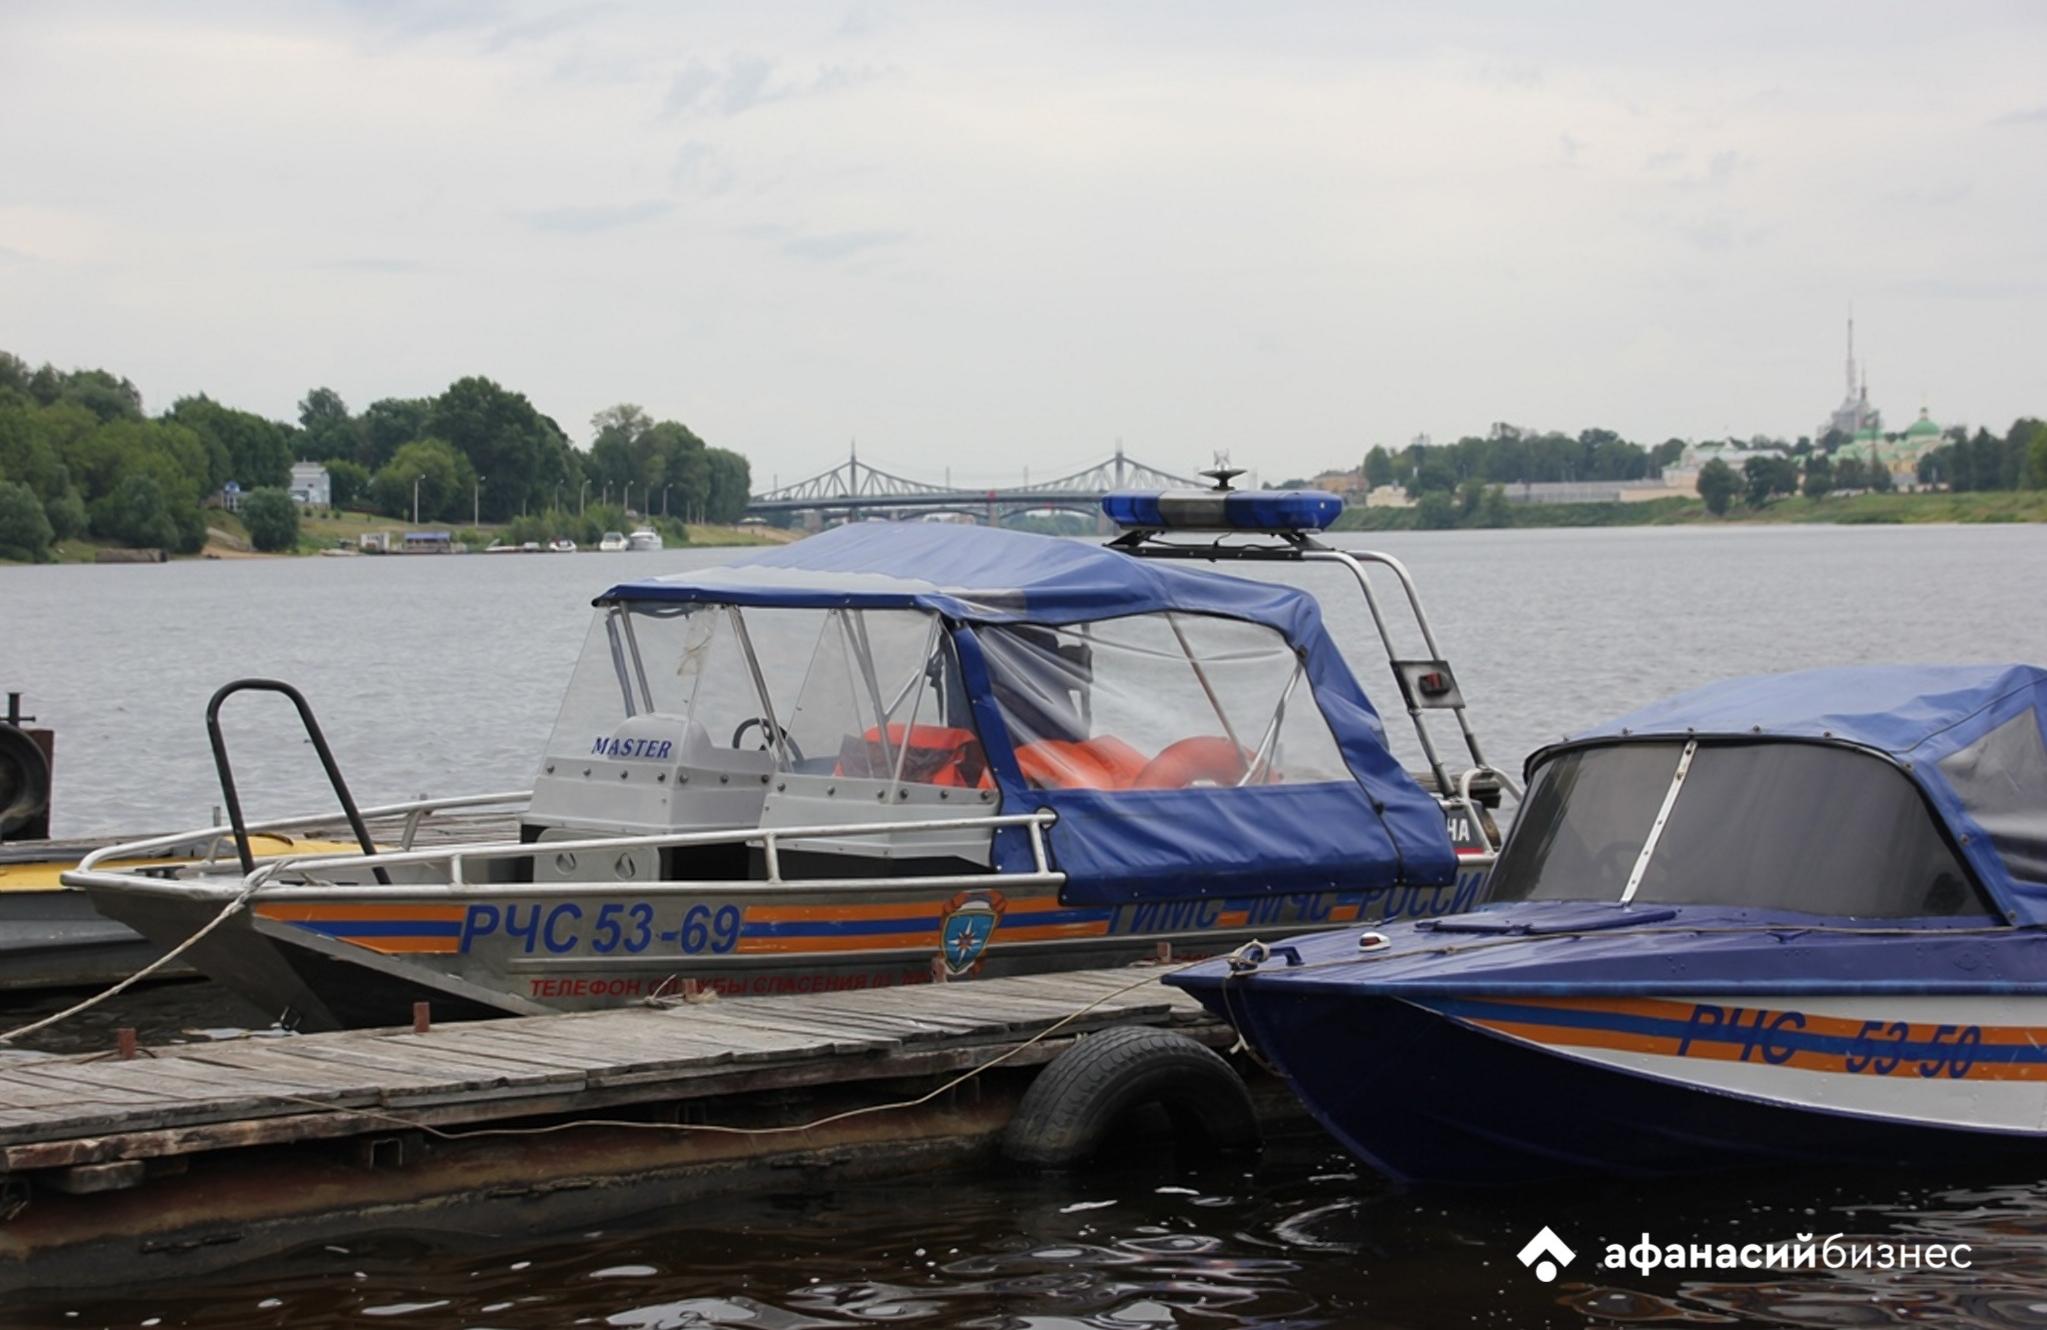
[[204, 1096]]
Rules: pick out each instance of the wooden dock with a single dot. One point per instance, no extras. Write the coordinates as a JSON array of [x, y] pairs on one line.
[[199, 1155]]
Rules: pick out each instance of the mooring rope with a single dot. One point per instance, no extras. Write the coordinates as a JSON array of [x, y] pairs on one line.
[[226, 912]]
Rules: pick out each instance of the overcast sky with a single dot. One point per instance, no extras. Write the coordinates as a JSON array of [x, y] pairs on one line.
[[987, 236]]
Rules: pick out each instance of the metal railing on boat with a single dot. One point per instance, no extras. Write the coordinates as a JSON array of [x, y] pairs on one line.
[[262, 883]]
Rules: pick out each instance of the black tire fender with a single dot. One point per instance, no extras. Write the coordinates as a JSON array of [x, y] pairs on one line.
[[1070, 1109]]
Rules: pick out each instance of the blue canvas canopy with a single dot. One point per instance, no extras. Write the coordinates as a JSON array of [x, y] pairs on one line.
[[1377, 829], [972, 574], [1972, 737]]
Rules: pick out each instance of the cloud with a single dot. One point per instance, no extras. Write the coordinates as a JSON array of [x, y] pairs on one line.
[[2035, 116], [833, 246], [748, 81], [740, 86], [701, 169], [375, 265], [862, 20], [1966, 288], [1931, 196], [588, 219], [546, 26]]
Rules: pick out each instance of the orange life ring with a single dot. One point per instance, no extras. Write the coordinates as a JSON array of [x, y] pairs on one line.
[[1101, 763], [1209, 757]]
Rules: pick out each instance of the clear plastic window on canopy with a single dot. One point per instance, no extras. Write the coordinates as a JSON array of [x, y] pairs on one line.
[[2000, 778], [1158, 701], [882, 700], [686, 662]]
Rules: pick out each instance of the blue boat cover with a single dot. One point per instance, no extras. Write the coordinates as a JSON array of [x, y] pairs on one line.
[[1378, 830], [1973, 737], [971, 574]]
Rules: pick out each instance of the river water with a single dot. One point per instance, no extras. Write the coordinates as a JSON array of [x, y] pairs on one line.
[[442, 676]]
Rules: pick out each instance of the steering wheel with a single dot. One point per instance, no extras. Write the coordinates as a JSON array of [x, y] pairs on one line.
[[740, 734]]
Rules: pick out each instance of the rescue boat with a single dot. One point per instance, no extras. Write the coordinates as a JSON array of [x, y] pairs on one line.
[[884, 754], [1798, 919]]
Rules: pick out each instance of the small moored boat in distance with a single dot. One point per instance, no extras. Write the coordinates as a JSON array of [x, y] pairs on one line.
[[614, 542], [644, 538], [1783, 920], [561, 545], [842, 762]]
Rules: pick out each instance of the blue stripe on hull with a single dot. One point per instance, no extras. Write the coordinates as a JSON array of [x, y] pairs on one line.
[[1429, 1100]]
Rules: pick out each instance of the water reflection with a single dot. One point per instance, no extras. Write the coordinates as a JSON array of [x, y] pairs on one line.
[[1297, 1239]]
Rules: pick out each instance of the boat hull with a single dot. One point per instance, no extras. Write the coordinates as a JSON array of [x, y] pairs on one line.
[[341, 957], [1461, 1091], [55, 939]]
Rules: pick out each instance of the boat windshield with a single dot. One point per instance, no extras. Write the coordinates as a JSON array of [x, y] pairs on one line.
[[684, 662], [1815, 828], [882, 700], [1158, 701]]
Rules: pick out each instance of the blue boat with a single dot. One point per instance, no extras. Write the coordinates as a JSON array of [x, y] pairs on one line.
[[885, 752], [1783, 920]]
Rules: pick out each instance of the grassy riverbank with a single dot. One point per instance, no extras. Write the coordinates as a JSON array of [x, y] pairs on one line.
[[227, 538], [1851, 510]]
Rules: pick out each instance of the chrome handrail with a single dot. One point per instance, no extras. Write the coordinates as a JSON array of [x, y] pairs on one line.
[[178, 839], [262, 880], [1470, 804]]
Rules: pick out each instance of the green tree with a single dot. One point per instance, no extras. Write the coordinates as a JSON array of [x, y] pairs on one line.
[[257, 450], [1769, 476], [1850, 473], [1879, 475], [147, 512], [273, 520], [1378, 468], [1494, 510], [444, 478], [2029, 437], [25, 533], [388, 424], [1819, 476], [327, 431], [1435, 511], [348, 482], [66, 514], [518, 452], [730, 485], [108, 396], [1717, 486], [1432, 475]]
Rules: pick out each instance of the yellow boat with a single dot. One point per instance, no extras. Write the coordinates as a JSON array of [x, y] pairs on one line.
[[51, 937]]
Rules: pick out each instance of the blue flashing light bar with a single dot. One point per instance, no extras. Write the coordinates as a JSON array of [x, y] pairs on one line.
[[1223, 510]]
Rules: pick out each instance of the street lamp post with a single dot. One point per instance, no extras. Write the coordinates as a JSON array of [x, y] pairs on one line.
[[627, 501], [476, 501], [583, 499], [415, 500], [664, 500], [604, 496]]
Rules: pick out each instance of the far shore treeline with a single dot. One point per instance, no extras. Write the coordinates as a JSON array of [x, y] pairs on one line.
[[1468, 483], [81, 459]]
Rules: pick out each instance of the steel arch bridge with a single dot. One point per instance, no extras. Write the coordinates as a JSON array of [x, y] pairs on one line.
[[855, 488]]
